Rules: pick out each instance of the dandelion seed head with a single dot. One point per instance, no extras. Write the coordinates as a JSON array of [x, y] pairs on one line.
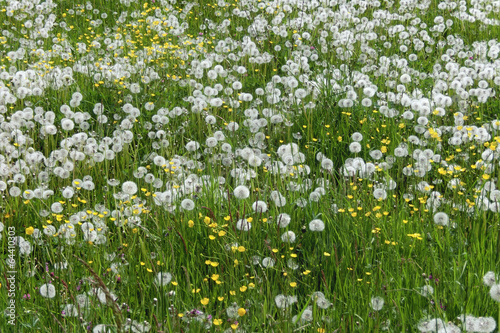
[[48, 290], [490, 278], [129, 187], [163, 278], [316, 225], [355, 147], [243, 225], [268, 262], [495, 292], [241, 192], [441, 219], [288, 237], [377, 303], [187, 204], [259, 206], [283, 220]]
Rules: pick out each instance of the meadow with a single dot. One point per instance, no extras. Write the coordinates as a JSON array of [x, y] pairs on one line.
[[249, 166]]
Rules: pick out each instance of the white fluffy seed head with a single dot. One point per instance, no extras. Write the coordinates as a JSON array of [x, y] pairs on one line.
[[241, 192], [129, 187], [316, 225], [288, 237], [377, 303], [243, 225], [490, 278], [380, 194], [48, 290], [355, 147], [163, 278], [187, 204], [495, 292], [259, 206], [441, 219], [283, 220], [327, 164]]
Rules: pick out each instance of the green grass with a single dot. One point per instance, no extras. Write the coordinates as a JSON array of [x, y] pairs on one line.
[[389, 248]]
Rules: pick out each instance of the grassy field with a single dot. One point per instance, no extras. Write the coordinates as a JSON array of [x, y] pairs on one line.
[[249, 166]]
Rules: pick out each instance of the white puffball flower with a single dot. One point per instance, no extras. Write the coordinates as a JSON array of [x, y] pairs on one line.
[[241, 192], [376, 154], [56, 207], [278, 198], [259, 206], [495, 292], [129, 187], [268, 262], [68, 192], [67, 124], [377, 303], [307, 315], [316, 225], [405, 78], [48, 290], [485, 324], [102, 328], [357, 137], [490, 278], [441, 219], [380, 194], [327, 164], [211, 142], [426, 290], [254, 161], [355, 147], [187, 204], [243, 225], [288, 237], [70, 311], [283, 220], [282, 301], [192, 146], [163, 278]]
